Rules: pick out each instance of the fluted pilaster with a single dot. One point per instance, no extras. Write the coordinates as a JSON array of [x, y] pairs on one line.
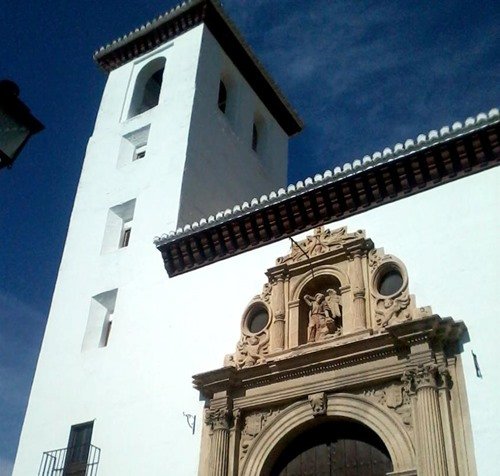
[[358, 288], [278, 304], [219, 421], [422, 381]]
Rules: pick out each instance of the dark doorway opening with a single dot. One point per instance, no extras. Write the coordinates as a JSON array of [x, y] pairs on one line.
[[333, 448], [78, 449]]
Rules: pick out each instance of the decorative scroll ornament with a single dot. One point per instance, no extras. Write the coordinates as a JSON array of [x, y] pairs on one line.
[[318, 403], [375, 258], [250, 351], [398, 306], [266, 293], [253, 425], [218, 419], [322, 241]]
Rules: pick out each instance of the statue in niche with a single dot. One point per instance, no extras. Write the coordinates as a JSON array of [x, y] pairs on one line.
[[324, 315]]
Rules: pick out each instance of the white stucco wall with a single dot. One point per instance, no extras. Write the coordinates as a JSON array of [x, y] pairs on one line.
[[168, 329], [165, 330], [221, 164], [137, 387]]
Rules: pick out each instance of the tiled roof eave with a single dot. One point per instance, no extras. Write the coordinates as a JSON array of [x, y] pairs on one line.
[[360, 186]]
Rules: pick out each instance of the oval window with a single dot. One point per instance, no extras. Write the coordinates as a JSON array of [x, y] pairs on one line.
[[390, 282], [257, 320]]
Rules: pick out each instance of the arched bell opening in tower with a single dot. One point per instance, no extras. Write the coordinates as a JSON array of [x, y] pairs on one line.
[[147, 87]]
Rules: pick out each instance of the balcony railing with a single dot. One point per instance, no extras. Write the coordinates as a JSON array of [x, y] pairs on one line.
[[72, 461]]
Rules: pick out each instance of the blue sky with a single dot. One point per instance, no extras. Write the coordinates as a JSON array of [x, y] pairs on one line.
[[363, 75]]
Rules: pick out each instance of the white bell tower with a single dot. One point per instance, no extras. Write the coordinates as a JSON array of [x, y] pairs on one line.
[[189, 124]]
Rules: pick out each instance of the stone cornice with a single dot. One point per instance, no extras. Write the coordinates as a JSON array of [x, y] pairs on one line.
[[333, 355]]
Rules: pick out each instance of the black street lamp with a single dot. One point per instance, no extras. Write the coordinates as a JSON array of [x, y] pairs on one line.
[[17, 124]]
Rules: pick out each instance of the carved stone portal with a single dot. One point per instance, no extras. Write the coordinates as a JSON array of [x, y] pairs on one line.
[[335, 336]]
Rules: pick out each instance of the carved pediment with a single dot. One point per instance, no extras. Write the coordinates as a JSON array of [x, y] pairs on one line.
[[321, 242], [348, 290]]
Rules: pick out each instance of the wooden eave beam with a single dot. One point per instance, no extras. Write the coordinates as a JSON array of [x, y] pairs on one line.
[[422, 170]]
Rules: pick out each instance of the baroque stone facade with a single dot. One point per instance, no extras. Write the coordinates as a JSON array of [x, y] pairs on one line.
[[336, 335]]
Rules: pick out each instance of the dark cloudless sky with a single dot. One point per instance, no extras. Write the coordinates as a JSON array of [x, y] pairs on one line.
[[363, 75]]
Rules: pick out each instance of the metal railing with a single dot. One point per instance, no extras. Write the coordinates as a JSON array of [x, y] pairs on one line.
[[72, 461]]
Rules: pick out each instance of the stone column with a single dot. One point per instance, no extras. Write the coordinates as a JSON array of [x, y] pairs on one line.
[[358, 290], [219, 421], [278, 306], [422, 381], [293, 324]]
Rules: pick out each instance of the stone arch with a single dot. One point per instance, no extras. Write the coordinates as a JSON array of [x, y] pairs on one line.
[[320, 271], [342, 405]]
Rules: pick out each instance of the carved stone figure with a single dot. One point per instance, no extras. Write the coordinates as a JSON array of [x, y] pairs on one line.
[[250, 351], [318, 312], [375, 257], [393, 309], [318, 403], [266, 292], [333, 300], [322, 319]]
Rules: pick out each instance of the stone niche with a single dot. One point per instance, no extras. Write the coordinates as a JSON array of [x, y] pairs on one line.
[[335, 338]]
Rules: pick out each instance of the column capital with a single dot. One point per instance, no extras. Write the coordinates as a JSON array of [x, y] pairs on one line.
[[219, 418], [357, 253], [426, 375], [278, 274]]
